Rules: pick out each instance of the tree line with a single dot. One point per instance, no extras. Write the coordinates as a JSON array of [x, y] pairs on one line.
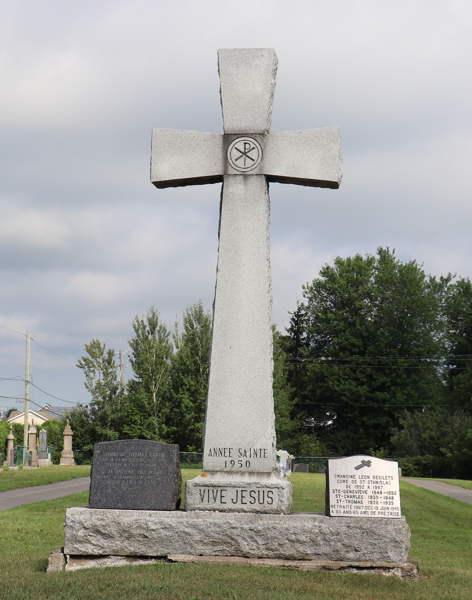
[[377, 359]]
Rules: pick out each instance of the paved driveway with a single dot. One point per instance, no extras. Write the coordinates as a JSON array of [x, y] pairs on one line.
[[64, 488], [43, 492], [446, 489]]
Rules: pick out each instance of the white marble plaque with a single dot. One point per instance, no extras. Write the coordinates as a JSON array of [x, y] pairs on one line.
[[362, 486]]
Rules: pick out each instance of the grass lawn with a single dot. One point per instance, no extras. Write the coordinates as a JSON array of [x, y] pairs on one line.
[[23, 478], [441, 542]]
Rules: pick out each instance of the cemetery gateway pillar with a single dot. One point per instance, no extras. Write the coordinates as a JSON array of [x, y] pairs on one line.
[[239, 448]]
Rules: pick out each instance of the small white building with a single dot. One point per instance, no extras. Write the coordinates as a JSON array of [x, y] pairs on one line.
[[35, 417]]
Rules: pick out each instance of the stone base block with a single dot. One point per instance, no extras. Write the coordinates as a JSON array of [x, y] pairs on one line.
[[239, 492], [298, 536], [44, 462], [58, 561], [407, 570]]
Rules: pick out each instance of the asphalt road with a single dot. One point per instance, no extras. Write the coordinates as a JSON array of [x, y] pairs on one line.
[[64, 488], [43, 492], [453, 491]]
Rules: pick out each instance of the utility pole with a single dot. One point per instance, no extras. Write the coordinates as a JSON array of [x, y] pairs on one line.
[[122, 368], [27, 384]]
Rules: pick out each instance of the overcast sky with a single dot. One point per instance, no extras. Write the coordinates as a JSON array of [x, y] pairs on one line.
[[87, 243]]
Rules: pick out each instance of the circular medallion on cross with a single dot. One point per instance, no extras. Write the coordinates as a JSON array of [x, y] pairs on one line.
[[244, 154]]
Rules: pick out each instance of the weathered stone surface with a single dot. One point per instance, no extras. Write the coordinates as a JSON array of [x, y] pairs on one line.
[[406, 570], [247, 77], [239, 424], [67, 455], [362, 486], [186, 158], [74, 563], [239, 492], [56, 561], [43, 444], [311, 157], [240, 421], [135, 474], [294, 537]]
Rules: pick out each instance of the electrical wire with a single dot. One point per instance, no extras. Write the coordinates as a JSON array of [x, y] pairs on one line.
[[55, 353], [14, 330]]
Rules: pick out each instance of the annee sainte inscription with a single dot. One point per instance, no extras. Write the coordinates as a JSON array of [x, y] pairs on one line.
[[238, 458]]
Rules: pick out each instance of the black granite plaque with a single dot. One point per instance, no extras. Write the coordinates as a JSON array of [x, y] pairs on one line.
[[135, 475]]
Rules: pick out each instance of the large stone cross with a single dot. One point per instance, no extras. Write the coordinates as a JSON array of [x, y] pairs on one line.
[[239, 444]]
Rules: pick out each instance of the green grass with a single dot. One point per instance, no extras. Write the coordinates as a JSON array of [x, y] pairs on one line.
[[441, 542], [23, 478]]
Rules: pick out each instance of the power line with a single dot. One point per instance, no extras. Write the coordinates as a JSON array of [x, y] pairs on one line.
[[47, 410], [14, 330], [369, 405], [55, 353], [48, 394], [34, 385]]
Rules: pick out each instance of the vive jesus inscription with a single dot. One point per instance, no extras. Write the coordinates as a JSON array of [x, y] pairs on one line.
[[362, 486]]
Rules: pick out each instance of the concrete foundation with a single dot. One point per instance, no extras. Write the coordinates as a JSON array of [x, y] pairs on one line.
[[58, 561]]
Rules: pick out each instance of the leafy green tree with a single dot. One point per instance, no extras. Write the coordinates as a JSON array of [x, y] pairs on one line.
[[372, 336], [55, 431], [4, 429], [19, 433], [147, 407], [101, 381], [438, 435], [458, 311], [190, 367], [422, 433]]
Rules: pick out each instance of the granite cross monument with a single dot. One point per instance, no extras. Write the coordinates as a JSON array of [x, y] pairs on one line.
[[239, 447]]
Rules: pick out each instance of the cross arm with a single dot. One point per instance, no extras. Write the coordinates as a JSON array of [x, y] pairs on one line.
[[310, 157], [186, 158]]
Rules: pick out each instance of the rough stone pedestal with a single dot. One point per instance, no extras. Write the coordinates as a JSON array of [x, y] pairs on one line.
[[298, 536]]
